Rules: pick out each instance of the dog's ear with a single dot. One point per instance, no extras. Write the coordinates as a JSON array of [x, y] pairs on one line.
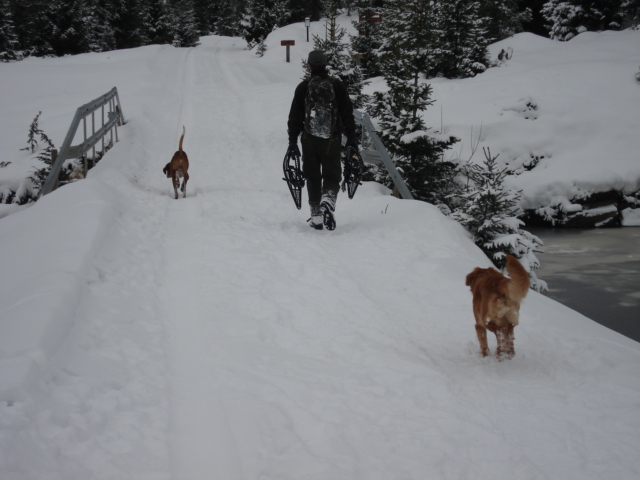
[[472, 276]]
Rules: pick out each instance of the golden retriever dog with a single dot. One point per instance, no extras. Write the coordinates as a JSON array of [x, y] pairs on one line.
[[496, 304], [178, 168]]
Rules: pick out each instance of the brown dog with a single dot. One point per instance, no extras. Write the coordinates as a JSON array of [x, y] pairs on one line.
[[496, 304], [178, 168]]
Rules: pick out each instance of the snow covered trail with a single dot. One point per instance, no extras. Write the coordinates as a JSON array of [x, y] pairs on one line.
[[294, 355]]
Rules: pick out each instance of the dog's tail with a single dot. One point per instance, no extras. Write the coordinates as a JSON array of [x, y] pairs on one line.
[[519, 284], [184, 130]]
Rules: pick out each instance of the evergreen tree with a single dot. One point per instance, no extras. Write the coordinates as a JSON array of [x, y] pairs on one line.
[[300, 9], [535, 23], [228, 18], [368, 41], [407, 51], [462, 43], [185, 31], [98, 27], [206, 14], [69, 36], [127, 22], [263, 17], [490, 212], [159, 22], [36, 29], [566, 19], [506, 18], [9, 48]]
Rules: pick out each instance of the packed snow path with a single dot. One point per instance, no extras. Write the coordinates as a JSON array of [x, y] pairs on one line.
[[219, 337]]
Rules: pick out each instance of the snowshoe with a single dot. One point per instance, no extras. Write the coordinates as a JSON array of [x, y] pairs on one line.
[[352, 172], [293, 176]]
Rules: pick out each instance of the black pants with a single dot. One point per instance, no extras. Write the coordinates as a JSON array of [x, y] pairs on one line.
[[321, 165]]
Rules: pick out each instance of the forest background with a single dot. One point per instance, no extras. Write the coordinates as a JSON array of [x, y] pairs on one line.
[[62, 27]]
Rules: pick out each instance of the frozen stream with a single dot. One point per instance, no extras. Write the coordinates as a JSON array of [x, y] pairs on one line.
[[596, 272]]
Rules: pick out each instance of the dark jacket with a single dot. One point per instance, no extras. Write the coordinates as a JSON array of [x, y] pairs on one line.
[[345, 124]]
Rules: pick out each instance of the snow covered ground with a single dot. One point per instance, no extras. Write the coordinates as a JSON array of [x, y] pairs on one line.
[[219, 337]]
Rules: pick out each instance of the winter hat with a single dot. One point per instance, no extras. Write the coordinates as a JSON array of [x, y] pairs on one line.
[[317, 57]]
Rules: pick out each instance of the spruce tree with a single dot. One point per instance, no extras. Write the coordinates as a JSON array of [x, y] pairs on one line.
[[37, 30], [505, 17], [407, 52], [462, 42], [185, 30], [261, 18], [9, 47], [158, 22], [368, 41], [127, 22], [70, 36], [300, 9], [490, 210], [228, 19], [97, 25], [206, 14], [566, 19]]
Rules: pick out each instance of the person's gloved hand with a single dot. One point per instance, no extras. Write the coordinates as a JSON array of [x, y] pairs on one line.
[[353, 143], [293, 149]]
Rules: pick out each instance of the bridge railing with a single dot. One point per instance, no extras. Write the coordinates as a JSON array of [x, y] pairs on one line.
[[380, 155], [108, 104]]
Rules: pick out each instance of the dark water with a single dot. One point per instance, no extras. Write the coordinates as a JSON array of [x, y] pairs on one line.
[[595, 272]]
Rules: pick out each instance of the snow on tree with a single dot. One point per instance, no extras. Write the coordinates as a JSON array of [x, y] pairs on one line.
[[566, 19], [490, 210], [97, 21], [228, 20], [36, 28], [158, 22], [126, 18], [407, 52], [300, 9], [368, 41], [185, 28], [462, 42], [505, 18], [70, 35], [9, 46], [261, 18]]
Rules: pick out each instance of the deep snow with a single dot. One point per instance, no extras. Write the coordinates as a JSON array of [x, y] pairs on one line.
[[218, 336]]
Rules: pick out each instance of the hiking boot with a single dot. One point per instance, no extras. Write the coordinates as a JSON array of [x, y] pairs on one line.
[[329, 199], [316, 221], [327, 214]]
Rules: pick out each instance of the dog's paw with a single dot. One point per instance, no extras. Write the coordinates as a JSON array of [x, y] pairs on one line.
[[505, 355]]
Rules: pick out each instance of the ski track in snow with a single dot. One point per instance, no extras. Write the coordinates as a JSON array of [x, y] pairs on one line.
[[220, 337]]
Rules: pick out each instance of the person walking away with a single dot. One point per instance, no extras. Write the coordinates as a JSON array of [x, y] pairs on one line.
[[321, 111]]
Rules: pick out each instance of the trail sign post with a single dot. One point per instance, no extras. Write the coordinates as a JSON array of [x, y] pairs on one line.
[[287, 43]]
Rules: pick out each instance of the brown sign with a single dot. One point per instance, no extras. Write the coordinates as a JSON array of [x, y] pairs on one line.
[[287, 42]]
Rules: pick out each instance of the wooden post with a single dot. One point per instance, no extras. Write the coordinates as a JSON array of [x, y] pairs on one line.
[[288, 44]]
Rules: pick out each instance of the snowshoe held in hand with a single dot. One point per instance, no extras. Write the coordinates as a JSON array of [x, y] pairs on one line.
[[293, 174], [352, 171]]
